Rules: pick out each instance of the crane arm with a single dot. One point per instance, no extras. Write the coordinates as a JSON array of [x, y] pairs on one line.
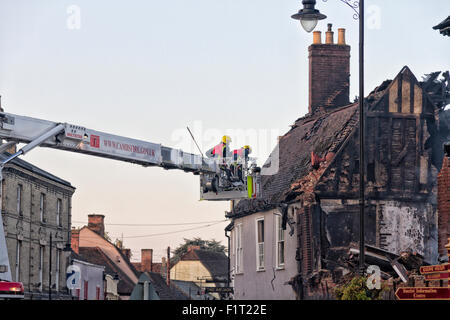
[[69, 137]]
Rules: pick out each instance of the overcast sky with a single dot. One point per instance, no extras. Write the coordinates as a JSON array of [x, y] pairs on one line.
[[146, 69]]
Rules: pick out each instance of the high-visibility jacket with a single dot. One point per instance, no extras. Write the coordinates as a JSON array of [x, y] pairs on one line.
[[219, 150], [240, 154]]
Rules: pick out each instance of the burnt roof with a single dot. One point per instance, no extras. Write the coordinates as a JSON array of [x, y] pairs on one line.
[[444, 27], [321, 132], [215, 262]]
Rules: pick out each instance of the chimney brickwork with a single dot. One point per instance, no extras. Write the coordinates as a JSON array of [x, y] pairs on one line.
[[75, 240], [146, 260], [96, 222], [329, 71]]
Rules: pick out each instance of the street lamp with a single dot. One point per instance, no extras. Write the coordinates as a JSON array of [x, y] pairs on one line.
[[309, 16]]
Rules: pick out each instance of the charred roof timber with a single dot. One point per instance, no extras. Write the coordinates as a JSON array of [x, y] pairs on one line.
[[444, 27]]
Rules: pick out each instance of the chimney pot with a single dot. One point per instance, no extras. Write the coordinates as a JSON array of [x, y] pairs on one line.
[[341, 36], [329, 35], [317, 37]]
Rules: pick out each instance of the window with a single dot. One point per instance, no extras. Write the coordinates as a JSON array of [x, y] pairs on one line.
[[260, 244], [238, 246], [42, 207], [19, 199], [86, 290], [18, 249], [97, 293], [41, 266], [279, 241], [58, 261], [58, 212], [78, 293]]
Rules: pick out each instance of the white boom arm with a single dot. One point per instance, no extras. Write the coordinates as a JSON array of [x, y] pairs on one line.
[[74, 138], [216, 182]]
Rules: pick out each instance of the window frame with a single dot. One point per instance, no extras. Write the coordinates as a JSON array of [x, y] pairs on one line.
[[86, 290], [279, 231], [42, 207], [239, 265], [19, 193], [97, 292], [260, 246], [58, 212]]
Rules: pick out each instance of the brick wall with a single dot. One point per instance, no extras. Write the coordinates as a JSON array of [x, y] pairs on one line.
[[96, 222], [444, 205], [329, 74], [25, 229]]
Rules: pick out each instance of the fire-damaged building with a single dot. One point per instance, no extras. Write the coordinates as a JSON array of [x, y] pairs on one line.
[[301, 237]]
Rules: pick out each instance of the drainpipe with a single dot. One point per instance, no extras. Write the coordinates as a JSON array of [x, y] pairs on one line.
[[228, 274], [168, 267]]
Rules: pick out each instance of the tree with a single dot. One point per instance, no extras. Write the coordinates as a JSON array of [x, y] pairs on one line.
[[210, 245]]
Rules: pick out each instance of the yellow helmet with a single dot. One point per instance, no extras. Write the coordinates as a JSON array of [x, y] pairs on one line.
[[226, 139], [248, 148]]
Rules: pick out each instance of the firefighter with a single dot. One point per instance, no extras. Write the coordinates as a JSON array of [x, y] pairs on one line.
[[239, 157], [220, 151]]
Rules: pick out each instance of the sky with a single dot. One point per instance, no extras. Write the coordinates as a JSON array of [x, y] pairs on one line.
[[147, 69]]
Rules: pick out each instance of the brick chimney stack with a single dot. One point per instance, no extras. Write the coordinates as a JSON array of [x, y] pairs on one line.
[[146, 260], [329, 71], [75, 240], [96, 222]]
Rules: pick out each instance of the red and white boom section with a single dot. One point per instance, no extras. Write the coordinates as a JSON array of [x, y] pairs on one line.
[[216, 182]]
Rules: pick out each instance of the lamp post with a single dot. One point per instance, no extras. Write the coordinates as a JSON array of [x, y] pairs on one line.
[[309, 16]]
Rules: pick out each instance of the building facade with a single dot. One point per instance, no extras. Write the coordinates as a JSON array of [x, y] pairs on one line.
[[35, 206], [92, 283], [201, 267], [259, 266], [90, 244], [315, 192]]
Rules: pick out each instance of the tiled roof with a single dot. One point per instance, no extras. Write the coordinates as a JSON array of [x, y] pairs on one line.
[[90, 238], [163, 291], [321, 132], [96, 256], [156, 266], [32, 168], [191, 290], [215, 262]]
